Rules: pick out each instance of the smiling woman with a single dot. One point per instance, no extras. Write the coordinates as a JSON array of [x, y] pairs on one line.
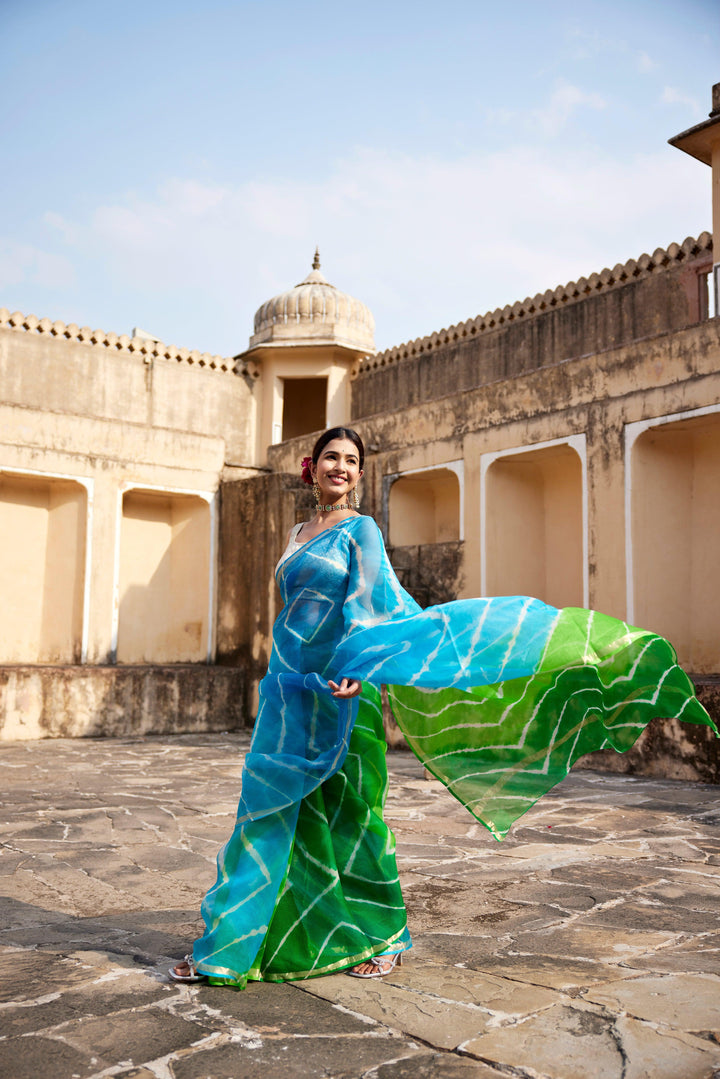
[[497, 697]]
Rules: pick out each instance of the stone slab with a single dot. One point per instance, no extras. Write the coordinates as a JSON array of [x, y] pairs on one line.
[[35, 1055], [436, 1066], [589, 933], [301, 1058], [653, 1053], [273, 1009], [688, 1002], [502, 997], [563, 1042], [441, 1023], [569, 1043]]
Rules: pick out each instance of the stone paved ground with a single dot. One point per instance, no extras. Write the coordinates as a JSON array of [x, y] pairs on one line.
[[587, 946]]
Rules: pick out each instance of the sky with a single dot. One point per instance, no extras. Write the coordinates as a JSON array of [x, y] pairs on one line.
[[172, 165]]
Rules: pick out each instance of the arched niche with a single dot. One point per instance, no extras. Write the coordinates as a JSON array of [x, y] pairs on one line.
[[43, 523], [674, 509], [424, 507], [164, 578], [534, 524]]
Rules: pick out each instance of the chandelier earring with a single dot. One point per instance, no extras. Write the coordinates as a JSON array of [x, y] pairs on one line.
[[354, 499], [316, 493]]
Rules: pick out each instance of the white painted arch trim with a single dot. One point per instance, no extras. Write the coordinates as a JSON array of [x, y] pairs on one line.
[[632, 433], [457, 466], [89, 485], [575, 442], [206, 496]]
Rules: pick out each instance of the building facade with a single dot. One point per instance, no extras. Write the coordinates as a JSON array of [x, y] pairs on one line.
[[567, 447]]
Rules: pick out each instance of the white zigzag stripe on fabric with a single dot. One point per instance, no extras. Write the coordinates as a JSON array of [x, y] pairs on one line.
[[498, 697]]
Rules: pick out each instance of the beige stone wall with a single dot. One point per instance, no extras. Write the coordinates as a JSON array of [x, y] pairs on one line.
[[42, 570], [655, 294], [141, 386], [588, 480], [568, 447], [42, 701], [596, 397], [256, 517], [111, 457]]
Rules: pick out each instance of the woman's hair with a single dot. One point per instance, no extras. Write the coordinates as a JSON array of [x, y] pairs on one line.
[[339, 432]]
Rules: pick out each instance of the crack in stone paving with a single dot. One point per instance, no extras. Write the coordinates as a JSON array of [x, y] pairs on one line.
[[589, 938]]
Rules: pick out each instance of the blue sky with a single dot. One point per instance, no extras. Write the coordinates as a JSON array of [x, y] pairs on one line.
[[172, 165]]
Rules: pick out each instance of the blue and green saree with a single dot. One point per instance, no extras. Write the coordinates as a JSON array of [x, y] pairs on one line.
[[497, 697]]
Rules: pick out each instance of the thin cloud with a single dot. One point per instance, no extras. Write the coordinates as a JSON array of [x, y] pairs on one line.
[[565, 100], [551, 118], [672, 96], [424, 241], [588, 44], [22, 263]]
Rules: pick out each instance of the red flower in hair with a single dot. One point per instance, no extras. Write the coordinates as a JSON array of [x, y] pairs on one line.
[[305, 470]]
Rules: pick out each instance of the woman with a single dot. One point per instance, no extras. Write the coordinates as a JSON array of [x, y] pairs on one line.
[[497, 697]]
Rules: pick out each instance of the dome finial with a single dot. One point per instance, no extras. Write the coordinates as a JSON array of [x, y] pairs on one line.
[[316, 260]]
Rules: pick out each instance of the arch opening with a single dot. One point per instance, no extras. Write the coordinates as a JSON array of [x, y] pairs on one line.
[[534, 525], [43, 522], [424, 507], [675, 520], [164, 578]]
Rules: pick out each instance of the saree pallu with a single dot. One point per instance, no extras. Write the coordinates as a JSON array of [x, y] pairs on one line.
[[497, 697]]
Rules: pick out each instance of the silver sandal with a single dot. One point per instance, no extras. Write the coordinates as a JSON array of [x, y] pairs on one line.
[[193, 976], [383, 964]]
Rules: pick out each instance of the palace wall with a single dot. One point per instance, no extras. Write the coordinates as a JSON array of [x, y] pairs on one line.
[[256, 515], [586, 477], [112, 451], [566, 447], [642, 298]]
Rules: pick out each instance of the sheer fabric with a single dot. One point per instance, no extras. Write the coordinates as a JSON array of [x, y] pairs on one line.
[[497, 697]]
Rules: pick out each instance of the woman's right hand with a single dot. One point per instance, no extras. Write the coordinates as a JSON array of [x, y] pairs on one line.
[[348, 687]]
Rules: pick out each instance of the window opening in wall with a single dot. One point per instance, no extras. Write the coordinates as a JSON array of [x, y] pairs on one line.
[[42, 570], [534, 526], [675, 514], [706, 299], [164, 578], [304, 406], [424, 507]]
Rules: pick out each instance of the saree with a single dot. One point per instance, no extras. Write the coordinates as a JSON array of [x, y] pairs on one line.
[[497, 697]]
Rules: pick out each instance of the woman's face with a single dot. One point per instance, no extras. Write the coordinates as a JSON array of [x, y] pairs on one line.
[[337, 470]]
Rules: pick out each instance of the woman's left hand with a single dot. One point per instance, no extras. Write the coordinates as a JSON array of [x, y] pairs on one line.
[[349, 687]]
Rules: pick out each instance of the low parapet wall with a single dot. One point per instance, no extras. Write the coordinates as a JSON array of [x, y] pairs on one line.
[[84, 702], [144, 346], [655, 294], [669, 749]]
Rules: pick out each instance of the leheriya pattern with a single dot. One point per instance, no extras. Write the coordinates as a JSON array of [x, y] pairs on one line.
[[498, 697], [339, 900], [499, 748]]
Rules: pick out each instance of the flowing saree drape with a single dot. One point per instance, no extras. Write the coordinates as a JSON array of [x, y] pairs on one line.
[[497, 697]]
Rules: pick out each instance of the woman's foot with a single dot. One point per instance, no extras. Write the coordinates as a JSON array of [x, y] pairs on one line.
[[185, 971], [377, 967]]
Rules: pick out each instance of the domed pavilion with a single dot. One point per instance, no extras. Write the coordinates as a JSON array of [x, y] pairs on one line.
[[305, 343]]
